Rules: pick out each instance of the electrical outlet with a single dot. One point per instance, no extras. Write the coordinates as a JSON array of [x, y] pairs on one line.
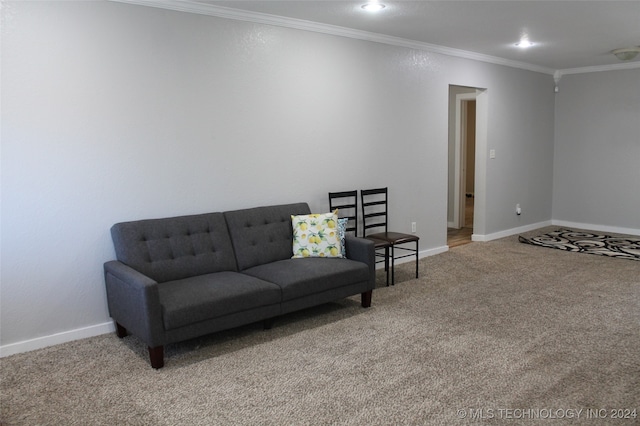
[[413, 227]]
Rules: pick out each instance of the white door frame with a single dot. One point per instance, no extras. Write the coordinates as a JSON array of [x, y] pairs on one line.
[[480, 177]]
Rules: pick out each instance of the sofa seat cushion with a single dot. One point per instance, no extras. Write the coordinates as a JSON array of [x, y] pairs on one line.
[[303, 277], [205, 297]]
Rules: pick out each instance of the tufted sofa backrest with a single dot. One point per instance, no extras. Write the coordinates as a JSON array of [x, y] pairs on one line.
[[263, 234], [175, 248]]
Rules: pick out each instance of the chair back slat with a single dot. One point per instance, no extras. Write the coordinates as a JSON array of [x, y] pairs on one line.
[[374, 209], [347, 204]]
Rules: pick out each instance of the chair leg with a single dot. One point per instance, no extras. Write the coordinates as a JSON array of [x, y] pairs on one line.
[[417, 259], [393, 266], [157, 356], [386, 263]]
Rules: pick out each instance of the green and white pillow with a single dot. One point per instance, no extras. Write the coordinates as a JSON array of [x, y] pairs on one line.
[[316, 235]]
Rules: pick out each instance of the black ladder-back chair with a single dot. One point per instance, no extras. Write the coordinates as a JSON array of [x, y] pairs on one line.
[[347, 204], [375, 215]]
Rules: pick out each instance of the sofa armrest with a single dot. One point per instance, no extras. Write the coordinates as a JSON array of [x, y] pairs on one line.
[[134, 302], [362, 250]]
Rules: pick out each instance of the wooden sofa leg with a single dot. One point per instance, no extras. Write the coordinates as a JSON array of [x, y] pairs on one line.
[[366, 298], [157, 356], [121, 332], [268, 323]]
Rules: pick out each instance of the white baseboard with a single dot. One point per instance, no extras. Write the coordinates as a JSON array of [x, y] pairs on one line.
[[56, 339], [600, 228], [509, 232], [575, 225]]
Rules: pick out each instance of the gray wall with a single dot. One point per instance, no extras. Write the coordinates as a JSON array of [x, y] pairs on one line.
[[597, 150], [114, 112]]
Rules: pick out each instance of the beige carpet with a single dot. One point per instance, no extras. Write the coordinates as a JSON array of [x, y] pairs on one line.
[[498, 331]]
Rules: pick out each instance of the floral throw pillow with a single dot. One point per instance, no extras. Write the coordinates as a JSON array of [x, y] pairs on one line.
[[316, 235]]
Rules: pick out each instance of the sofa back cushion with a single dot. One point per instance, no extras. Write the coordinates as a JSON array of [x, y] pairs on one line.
[[175, 248], [263, 234]]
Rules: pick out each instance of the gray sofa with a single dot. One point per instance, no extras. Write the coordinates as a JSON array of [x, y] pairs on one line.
[[183, 277]]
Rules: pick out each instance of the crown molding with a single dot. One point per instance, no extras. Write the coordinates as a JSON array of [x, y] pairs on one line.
[[599, 68], [300, 24]]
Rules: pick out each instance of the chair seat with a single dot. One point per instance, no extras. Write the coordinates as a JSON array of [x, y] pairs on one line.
[[394, 237], [379, 242]]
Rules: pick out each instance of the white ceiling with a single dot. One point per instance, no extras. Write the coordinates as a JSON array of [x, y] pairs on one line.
[[568, 35]]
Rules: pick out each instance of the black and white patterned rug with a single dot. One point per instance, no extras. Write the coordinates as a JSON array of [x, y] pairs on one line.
[[625, 247]]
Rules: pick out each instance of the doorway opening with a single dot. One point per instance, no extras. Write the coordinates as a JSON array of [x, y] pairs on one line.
[[462, 206]]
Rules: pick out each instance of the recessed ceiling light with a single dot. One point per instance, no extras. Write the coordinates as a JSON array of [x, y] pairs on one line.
[[373, 6], [523, 44]]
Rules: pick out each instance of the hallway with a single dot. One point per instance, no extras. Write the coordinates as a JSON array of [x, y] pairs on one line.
[[458, 237]]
